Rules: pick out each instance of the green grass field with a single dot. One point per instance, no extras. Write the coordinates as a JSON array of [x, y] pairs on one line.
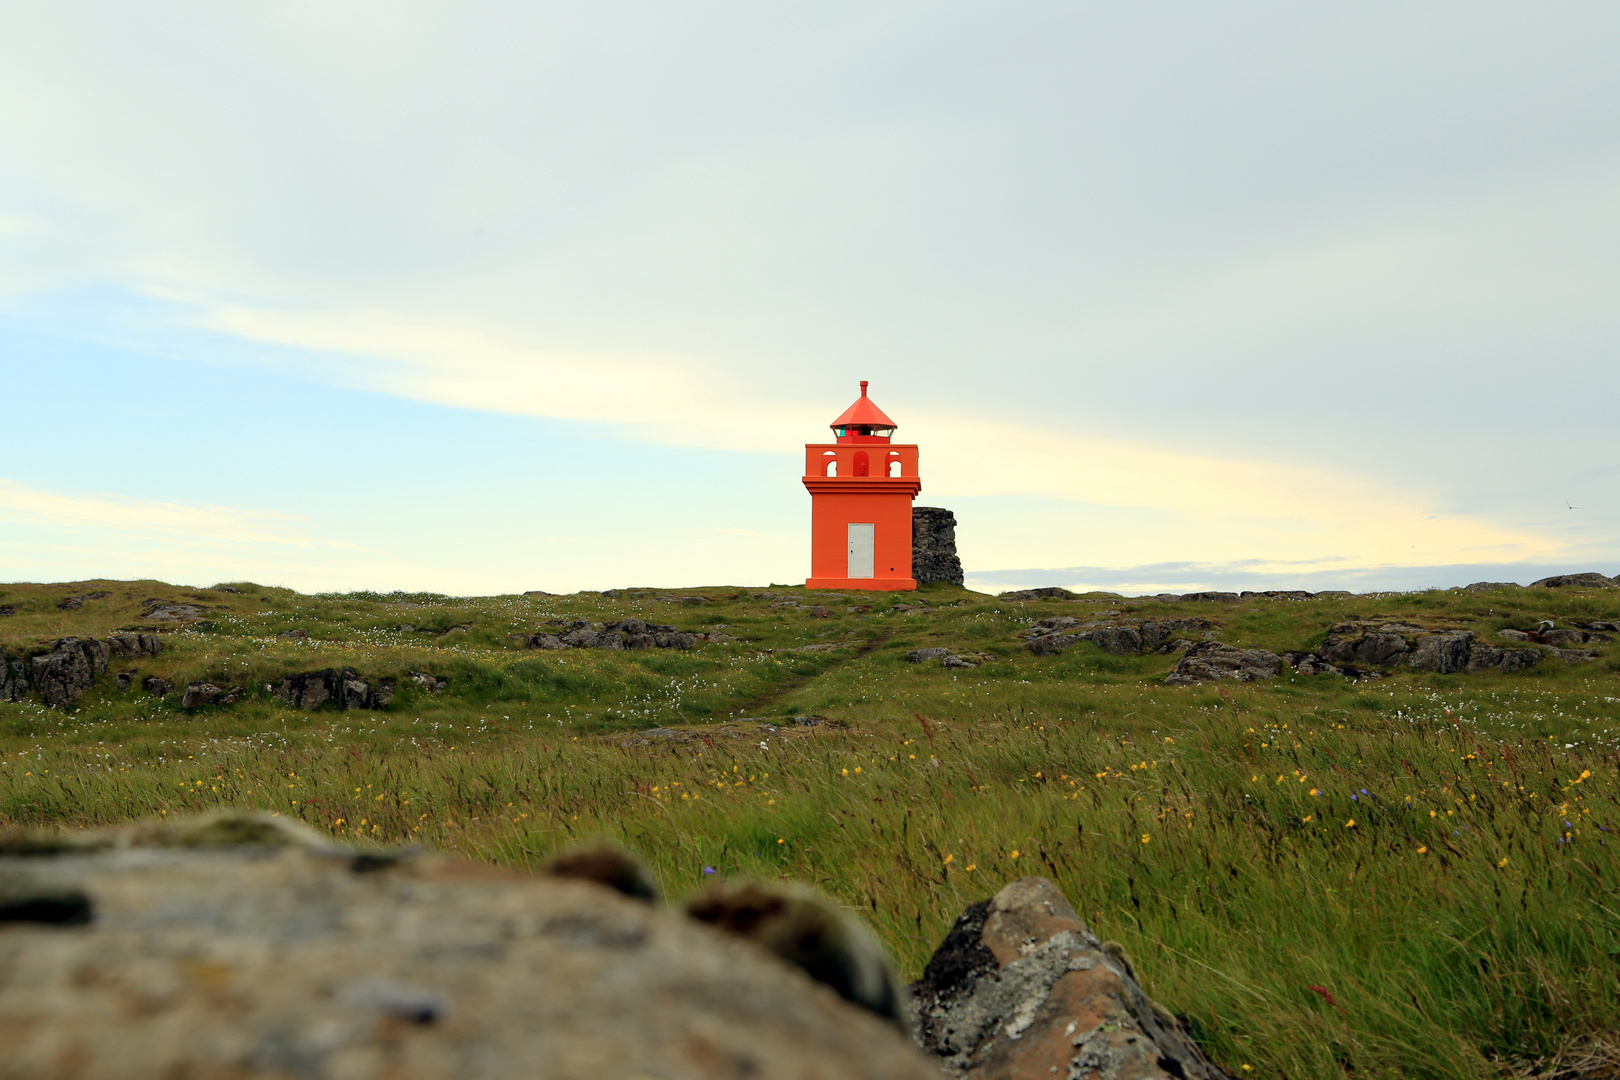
[[1407, 877]]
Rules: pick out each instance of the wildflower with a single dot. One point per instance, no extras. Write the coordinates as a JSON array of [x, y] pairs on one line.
[[1316, 791], [949, 859], [1422, 849], [1307, 817], [779, 840], [1146, 839], [846, 772], [1502, 863], [970, 867], [1350, 824], [707, 870], [1015, 853]]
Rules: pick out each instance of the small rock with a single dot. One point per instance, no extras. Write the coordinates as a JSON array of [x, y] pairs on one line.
[[538, 592], [7, 609], [1513, 635], [226, 589], [958, 662], [926, 656], [1487, 586], [819, 612], [1119, 640], [546, 641], [198, 694], [297, 634], [1211, 598], [157, 687], [1574, 656], [126, 679]]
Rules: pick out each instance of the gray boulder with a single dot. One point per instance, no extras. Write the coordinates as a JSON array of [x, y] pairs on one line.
[[1444, 652], [926, 656], [1212, 660], [1051, 644], [933, 546], [62, 675], [1490, 586], [157, 687], [1021, 989], [1119, 640]]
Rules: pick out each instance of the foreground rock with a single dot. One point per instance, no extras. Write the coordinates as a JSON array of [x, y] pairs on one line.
[[1021, 990], [241, 948], [1209, 661], [933, 546]]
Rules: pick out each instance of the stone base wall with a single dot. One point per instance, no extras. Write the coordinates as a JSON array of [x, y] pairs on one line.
[[933, 546]]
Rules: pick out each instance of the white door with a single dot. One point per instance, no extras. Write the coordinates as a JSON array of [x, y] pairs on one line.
[[860, 549]]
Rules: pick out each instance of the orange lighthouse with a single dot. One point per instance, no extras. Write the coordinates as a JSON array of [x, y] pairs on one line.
[[861, 489]]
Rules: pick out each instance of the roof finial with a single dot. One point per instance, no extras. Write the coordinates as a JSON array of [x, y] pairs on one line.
[[863, 388]]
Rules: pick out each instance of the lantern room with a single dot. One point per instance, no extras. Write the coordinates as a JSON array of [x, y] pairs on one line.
[[861, 487]]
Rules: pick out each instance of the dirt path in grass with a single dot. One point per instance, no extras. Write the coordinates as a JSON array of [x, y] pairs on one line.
[[783, 689]]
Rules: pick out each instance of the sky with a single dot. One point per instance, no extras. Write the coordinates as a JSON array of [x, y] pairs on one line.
[[487, 297]]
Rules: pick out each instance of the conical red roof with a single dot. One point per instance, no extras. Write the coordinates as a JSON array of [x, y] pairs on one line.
[[864, 413]]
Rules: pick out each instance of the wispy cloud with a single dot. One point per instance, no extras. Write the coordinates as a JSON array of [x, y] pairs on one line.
[[212, 524]]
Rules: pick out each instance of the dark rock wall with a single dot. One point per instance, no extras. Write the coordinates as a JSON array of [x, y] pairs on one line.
[[933, 546]]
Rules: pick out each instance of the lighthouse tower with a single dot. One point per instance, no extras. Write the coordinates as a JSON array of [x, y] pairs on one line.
[[861, 489]]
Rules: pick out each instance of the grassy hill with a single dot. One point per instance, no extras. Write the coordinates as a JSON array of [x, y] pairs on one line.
[[1406, 876]]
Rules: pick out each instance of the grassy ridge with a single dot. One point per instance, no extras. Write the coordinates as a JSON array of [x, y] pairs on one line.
[[1408, 877]]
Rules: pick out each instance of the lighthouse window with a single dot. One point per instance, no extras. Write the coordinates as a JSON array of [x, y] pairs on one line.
[[894, 467], [829, 463]]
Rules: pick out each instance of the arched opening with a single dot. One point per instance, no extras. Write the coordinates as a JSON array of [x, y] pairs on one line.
[[829, 463], [863, 464], [894, 466]]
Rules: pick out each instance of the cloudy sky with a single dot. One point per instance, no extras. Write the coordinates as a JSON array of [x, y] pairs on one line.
[[488, 297]]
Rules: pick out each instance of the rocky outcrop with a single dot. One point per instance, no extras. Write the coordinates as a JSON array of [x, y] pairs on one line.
[[1050, 592], [1419, 648], [246, 947], [74, 603], [1021, 989], [62, 675], [13, 678], [624, 634], [1122, 637], [345, 689], [165, 611], [947, 658], [933, 546], [1576, 581], [1207, 661], [135, 644]]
